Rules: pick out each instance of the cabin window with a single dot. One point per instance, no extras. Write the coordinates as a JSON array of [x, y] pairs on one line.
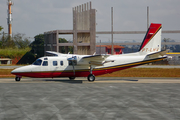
[[37, 62], [54, 63], [45, 63], [61, 62], [45, 58]]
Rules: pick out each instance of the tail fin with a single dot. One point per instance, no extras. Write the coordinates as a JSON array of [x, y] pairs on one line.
[[152, 40]]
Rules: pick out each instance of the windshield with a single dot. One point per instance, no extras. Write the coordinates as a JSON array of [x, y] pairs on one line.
[[37, 62]]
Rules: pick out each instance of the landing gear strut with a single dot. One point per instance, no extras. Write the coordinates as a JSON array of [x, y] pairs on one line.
[[91, 77]]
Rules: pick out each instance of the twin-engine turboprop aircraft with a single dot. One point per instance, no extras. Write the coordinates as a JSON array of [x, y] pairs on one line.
[[71, 65]]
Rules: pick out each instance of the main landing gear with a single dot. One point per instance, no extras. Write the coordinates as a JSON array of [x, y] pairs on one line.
[[91, 77], [72, 78]]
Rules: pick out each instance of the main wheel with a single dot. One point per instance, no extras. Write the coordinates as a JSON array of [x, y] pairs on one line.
[[72, 78], [17, 78], [91, 78]]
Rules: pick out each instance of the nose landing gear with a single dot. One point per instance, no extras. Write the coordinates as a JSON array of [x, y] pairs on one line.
[[18, 78]]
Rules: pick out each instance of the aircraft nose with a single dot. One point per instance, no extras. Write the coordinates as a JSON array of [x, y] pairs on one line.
[[21, 70], [13, 71], [17, 70]]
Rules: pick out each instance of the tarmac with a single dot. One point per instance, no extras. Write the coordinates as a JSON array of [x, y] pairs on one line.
[[104, 99]]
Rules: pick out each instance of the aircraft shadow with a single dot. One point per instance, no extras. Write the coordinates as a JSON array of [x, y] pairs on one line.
[[64, 81], [80, 81], [109, 79]]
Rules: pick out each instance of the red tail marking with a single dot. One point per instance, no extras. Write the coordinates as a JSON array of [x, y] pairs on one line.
[[153, 29]]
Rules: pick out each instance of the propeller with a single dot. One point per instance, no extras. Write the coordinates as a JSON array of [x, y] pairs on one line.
[[73, 60]]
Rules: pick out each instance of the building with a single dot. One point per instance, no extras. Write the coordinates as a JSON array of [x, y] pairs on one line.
[[106, 49], [6, 61], [84, 32]]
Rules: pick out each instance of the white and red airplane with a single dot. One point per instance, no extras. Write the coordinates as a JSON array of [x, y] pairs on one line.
[[71, 65]]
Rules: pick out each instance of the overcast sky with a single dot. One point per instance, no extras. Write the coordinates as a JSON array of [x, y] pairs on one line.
[[33, 17]]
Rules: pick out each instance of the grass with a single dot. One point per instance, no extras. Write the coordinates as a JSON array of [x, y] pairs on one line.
[[6, 73], [132, 72], [13, 53], [146, 72]]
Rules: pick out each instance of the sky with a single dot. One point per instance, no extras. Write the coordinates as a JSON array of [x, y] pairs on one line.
[[33, 17]]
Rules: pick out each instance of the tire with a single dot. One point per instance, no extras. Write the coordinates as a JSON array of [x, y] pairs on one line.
[[91, 78], [72, 78], [17, 79]]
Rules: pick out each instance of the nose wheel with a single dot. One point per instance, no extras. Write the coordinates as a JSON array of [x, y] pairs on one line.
[[17, 78]]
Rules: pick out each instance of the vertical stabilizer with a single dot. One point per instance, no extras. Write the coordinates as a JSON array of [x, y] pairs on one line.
[[152, 40]]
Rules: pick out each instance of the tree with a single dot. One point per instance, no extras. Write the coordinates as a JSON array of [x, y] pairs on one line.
[[6, 42], [70, 48], [62, 40], [165, 40], [38, 45], [21, 41], [1, 40], [1, 28]]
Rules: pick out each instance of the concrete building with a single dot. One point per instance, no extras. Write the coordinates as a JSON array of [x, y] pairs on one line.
[[84, 32]]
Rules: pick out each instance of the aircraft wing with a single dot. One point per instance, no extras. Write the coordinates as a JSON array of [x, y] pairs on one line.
[[54, 53], [97, 60]]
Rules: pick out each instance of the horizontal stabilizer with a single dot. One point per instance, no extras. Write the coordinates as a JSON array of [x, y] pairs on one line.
[[157, 54]]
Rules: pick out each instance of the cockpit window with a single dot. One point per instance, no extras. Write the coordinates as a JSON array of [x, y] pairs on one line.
[[45, 63], [37, 62]]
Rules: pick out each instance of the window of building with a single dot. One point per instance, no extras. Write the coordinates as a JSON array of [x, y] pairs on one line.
[[55, 63], [45, 63], [117, 50], [109, 51]]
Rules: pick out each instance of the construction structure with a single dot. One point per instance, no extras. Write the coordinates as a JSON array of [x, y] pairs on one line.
[[84, 32], [9, 19]]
